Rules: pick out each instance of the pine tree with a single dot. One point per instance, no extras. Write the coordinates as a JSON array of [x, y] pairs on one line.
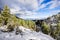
[[6, 14], [6, 11], [45, 28], [58, 28], [1, 20]]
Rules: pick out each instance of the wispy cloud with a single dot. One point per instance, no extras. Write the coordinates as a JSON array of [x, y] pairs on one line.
[[44, 5], [28, 8], [29, 3], [22, 12], [54, 4]]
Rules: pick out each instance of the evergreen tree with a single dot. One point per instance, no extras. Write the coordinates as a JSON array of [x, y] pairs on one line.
[[1, 20], [6, 14], [6, 11], [45, 28], [58, 28]]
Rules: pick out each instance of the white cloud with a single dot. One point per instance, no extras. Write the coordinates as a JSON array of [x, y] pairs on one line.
[[30, 4], [40, 1], [24, 5], [33, 4], [53, 12], [27, 4], [44, 5], [30, 17], [55, 3], [23, 12], [27, 8], [37, 16]]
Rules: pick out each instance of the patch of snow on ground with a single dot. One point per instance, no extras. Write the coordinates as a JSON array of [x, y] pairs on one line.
[[27, 34]]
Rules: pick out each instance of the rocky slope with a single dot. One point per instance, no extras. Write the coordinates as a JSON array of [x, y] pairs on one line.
[[24, 34], [52, 24]]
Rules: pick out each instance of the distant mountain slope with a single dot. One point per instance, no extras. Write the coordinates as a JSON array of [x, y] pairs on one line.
[[50, 26]]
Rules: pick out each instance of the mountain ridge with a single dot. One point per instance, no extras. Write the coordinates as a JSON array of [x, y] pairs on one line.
[[50, 25]]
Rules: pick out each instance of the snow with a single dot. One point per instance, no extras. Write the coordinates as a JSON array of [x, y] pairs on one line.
[[24, 29], [3, 27], [27, 34]]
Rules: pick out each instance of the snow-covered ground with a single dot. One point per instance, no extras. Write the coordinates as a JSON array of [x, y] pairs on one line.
[[26, 34]]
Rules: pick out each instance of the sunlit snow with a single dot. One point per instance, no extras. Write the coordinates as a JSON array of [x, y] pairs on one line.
[[27, 34]]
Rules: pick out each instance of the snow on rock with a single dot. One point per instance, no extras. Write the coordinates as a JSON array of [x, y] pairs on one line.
[[24, 29], [27, 34], [3, 27]]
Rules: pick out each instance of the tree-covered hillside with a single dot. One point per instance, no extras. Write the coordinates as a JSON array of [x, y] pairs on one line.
[[11, 21], [50, 26]]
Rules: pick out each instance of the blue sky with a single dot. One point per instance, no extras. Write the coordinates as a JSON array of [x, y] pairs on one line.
[[32, 9]]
